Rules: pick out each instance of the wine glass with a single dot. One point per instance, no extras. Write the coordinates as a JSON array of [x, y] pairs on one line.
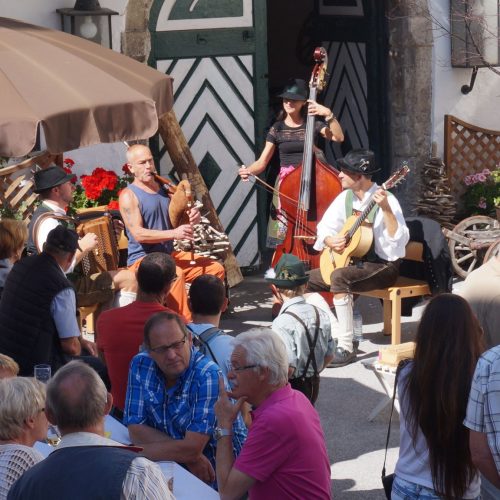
[[53, 436]]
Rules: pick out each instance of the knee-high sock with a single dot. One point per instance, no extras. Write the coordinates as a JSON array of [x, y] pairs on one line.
[[123, 298], [343, 310]]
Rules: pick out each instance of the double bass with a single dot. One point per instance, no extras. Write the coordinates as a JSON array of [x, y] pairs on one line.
[[316, 182]]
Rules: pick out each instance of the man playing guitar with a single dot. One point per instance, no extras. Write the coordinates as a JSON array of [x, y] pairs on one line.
[[379, 267]]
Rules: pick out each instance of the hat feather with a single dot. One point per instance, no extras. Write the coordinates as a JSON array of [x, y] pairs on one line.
[[270, 273]]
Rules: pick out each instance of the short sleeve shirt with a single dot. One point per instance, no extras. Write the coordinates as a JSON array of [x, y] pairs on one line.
[[290, 141], [483, 409], [188, 406]]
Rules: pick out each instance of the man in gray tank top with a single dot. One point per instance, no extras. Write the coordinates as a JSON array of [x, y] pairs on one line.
[[144, 208]]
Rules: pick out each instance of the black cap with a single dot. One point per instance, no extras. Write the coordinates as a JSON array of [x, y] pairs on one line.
[[63, 238], [50, 177], [359, 161], [295, 90]]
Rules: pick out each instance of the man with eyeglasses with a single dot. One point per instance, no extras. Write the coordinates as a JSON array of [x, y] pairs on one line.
[[144, 208], [285, 453], [171, 393]]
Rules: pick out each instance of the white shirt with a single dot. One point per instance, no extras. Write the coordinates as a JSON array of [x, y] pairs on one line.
[[46, 226], [386, 247]]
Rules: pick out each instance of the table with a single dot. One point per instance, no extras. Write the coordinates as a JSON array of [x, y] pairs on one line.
[[186, 485], [386, 376]]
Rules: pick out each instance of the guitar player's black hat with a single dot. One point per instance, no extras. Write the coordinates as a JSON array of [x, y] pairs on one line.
[[288, 273], [359, 161]]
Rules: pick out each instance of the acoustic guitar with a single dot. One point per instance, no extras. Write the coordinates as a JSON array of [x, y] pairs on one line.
[[358, 233]]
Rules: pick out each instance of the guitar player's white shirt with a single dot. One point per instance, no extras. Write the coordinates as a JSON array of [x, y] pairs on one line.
[[386, 247]]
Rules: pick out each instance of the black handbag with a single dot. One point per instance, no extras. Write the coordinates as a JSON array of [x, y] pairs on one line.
[[388, 479]]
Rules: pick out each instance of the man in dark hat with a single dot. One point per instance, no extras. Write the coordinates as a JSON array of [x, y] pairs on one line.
[[56, 189], [38, 307], [304, 327], [379, 268]]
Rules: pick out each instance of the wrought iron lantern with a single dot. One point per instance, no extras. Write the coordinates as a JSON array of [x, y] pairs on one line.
[[88, 20]]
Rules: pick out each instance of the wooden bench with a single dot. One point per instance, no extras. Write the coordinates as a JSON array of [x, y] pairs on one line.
[[403, 288]]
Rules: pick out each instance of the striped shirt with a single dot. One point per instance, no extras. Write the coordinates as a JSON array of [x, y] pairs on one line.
[[187, 406], [483, 409]]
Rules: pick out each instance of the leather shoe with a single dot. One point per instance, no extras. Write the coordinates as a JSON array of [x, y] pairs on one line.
[[341, 357]]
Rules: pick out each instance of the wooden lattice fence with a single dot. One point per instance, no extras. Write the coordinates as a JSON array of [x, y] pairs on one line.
[[468, 150], [16, 185]]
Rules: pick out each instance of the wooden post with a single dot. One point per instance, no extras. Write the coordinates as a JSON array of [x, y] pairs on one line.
[[181, 156]]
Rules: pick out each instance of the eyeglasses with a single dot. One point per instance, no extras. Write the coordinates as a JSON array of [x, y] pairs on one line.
[[162, 349], [241, 368]]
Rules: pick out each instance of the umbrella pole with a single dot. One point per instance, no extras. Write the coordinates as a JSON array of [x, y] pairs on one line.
[[181, 156]]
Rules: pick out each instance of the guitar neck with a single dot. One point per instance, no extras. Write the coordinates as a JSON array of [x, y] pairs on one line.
[[364, 214]]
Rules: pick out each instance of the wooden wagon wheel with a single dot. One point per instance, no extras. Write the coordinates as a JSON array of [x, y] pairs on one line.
[[493, 249], [477, 234]]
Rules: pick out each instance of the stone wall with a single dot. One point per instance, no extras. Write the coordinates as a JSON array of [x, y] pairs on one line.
[[410, 94], [136, 42]]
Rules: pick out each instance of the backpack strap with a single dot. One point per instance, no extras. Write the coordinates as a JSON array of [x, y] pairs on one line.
[[311, 358], [202, 341]]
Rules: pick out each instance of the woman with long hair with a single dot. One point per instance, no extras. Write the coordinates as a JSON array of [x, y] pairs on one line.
[[288, 135], [434, 455]]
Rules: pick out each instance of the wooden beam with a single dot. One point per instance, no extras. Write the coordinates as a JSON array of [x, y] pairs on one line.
[[184, 163]]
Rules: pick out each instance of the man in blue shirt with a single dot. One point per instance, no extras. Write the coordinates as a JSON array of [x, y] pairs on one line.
[[171, 393]]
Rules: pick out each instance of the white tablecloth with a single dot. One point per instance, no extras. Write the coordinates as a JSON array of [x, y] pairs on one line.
[[186, 486]]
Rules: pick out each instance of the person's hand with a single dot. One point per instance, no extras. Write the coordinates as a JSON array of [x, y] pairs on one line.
[[317, 109], [88, 346], [380, 198], [184, 232], [244, 173], [194, 216], [88, 242], [225, 411], [202, 469], [337, 243]]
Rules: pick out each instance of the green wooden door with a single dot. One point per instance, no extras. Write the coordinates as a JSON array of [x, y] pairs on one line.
[[216, 52]]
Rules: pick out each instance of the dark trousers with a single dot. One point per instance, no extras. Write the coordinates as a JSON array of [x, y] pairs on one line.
[[309, 386], [360, 277]]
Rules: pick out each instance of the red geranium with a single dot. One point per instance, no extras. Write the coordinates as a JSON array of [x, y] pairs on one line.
[[100, 180], [113, 205]]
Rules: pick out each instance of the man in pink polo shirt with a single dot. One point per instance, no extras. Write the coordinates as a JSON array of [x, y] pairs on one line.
[[284, 455]]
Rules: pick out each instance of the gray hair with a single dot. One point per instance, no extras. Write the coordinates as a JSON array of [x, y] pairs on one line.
[[76, 396], [265, 348], [22, 398]]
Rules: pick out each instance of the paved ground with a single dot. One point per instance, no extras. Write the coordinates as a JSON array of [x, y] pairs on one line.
[[347, 395]]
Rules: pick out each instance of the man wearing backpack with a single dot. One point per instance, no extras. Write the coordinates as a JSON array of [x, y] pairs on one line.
[[379, 267], [207, 301]]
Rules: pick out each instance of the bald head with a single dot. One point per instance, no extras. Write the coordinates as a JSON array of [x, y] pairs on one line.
[[136, 151], [77, 398]]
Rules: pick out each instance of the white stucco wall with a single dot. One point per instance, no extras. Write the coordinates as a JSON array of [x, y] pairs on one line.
[[480, 107], [43, 13]]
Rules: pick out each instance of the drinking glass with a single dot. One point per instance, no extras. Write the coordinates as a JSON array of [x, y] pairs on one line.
[[53, 436], [43, 373]]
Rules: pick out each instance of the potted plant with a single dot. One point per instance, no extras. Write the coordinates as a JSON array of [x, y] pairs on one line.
[[482, 195]]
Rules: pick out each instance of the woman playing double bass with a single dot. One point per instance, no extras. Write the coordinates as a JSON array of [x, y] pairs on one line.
[[288, 134]]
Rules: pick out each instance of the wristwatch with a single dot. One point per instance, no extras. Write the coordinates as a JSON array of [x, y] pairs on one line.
[[220, 432]]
